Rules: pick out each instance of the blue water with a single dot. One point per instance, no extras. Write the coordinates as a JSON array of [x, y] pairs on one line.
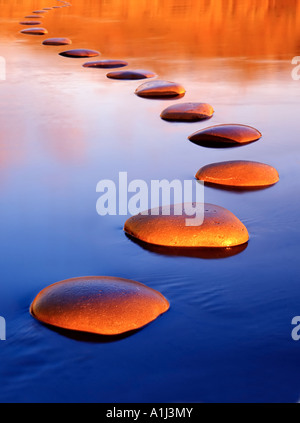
[[227, 335]]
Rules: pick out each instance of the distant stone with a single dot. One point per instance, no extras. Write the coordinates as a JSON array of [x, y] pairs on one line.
[[188, 112], [47, 8], [34, 17], [35, 31], [30, 23], [105, 64], [219, 229], [99, 305], [160, 89], [225, 135], [57, 42], [131, 74], [239, 174], [80, 53], [39, 11]]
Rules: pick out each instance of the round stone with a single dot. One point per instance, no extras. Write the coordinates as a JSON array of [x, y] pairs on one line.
[[239, 174], [106, 64], [35, 31], [30, 23], [164, 227], [34, 17], [225, 135], [131, 74], [187, 112], [80, 53], [57, 42], [99, 305], [39, 11], [160, 89]]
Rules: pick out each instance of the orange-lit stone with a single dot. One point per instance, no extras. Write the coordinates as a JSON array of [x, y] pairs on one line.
[[80, 53], [225, 135], [187, 112], [106, 64], [34, 31], [100, 305], [57, 42], [220, 228], [30, 23], [131, 74], [239, 174], [39, 11], [160, 89]]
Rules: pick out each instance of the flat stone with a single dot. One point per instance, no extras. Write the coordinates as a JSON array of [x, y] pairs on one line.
[[99, 305], [35, 31], [47, 8], [220, 228], [187, 112], [57, 42], [160, 89], [30, 23], [239, 174], [39, 11], [131, 74], [106, 64], [79, 53], [34, 17], [225, 135]]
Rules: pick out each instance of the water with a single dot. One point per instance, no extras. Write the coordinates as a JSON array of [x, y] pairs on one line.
[[63, 128]]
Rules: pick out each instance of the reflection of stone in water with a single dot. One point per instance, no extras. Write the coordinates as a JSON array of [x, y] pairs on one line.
[[99, 305], [225, 135], [220, 228], [106, 64], [239, 174], [131, 75], [192, 252], [35, 31], [79, 53], [57, 41], [187, 112], [160, 89]]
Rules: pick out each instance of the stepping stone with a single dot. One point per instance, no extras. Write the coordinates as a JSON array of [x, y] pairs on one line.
[[239, 174], [34, 17], [220, 228], [99, 305], [57, 42], [225, 136], [79, 53], [47, 8], [39, 11], [35, 31], [30, 23], [106, 64], [160, 89], [131, 75], [187, 112]]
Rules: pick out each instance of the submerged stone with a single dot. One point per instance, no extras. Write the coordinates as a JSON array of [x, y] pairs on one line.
[[131, 74], [239, 174], [30, 23], [225, 135], [79, 53], [187, 112], [106, 64], [160, 89], [57, 41], [35, 31], [220, 228], [99, 305]]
